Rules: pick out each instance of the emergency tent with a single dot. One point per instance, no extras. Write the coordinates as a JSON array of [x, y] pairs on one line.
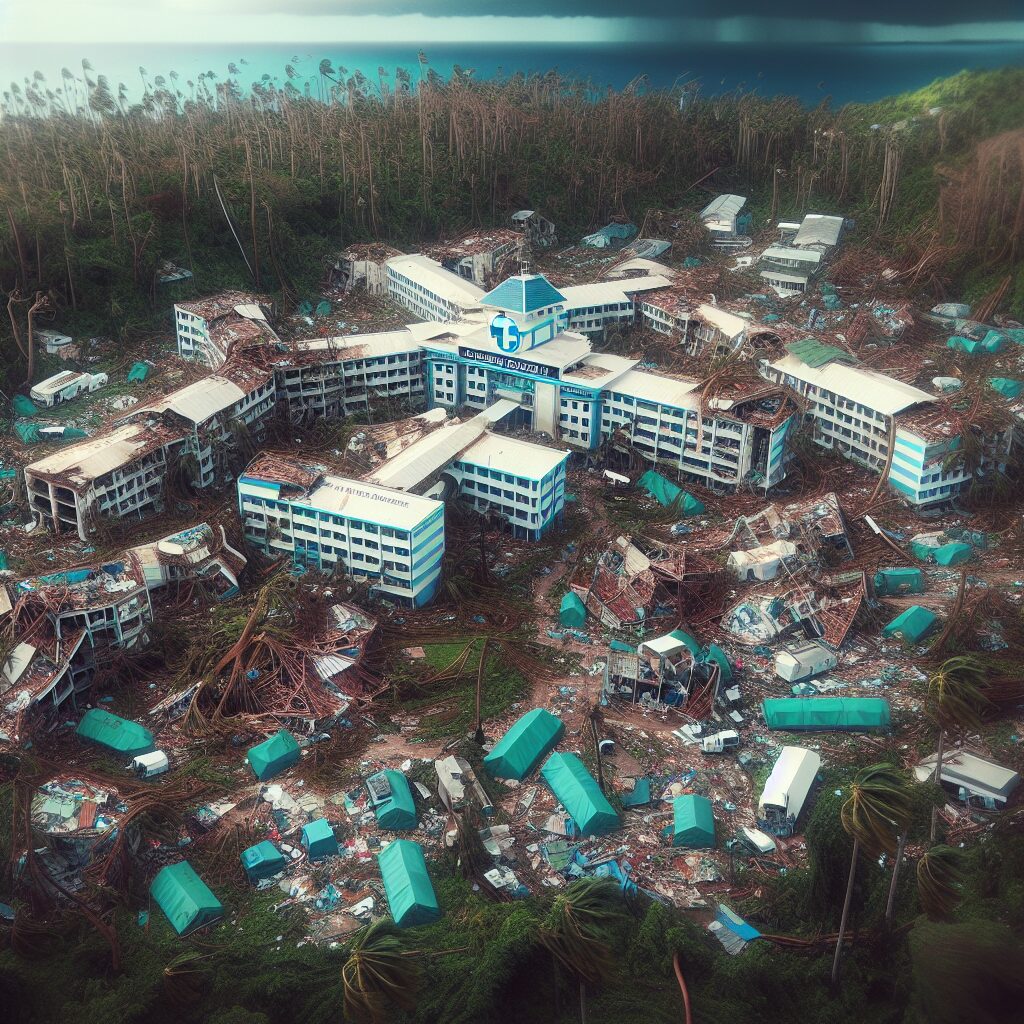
[[407, 884], [668, 494], [184, 898], [273, 756], [911, 625], [721, 659], [575, 789], [139, 372], [693, 823], [262, 860], [572, 611], [898, 581], [114, 733], [318, 839], [808, 714], [398, 811], [1007, 387], [530, 739], [953, 554]]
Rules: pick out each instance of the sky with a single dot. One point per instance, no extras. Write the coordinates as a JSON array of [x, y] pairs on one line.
[[588, 21]]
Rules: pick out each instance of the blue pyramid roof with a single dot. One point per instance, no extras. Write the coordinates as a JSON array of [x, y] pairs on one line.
[[523, 294]]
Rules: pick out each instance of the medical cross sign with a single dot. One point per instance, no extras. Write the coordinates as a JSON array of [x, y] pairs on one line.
[[505, 332]]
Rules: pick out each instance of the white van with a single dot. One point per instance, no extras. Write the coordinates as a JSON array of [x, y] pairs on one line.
[[146, 766], [720, 742]]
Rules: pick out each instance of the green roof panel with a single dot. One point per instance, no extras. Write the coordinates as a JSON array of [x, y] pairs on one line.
[[524, 293], [809, 714], [814, 353], [572, 611]]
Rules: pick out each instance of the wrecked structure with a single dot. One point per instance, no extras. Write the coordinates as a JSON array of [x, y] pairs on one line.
[[539, 231], [482, 257], [208, 329], [363, 265], [425, 287]]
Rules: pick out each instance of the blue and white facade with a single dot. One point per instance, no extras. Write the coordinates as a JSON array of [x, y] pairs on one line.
[[390, 538]]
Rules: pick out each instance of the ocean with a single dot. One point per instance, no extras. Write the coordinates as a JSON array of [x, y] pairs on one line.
[[843, 74]]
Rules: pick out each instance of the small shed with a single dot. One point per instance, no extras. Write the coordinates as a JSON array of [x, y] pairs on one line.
[[572, 612], [953, 554], [577, 791], [525, 745], [262, 860], [117, 734], [397, 811], [185, 898], [318, 839], [693, 823], [273, 756], [407, 884], [898, 581], [912, 625]]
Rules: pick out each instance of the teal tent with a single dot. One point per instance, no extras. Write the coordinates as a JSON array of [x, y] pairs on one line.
[[323, 308], [721, 659], [398, 810], [966, 345], [572, 611], [23, 406], [139, 372], [184, 897], [575, 789], [826, 714], [318, 839], [1006, 387], [921, 551], [262, 860], [911, 625], [993, 342], [688, 641], [304, 308], [668, 494], [525, 745], [898, 581], [117, 734], [953, 554], [640, 795], [693, 823], [273, 756], [622, 647], [407, 884]]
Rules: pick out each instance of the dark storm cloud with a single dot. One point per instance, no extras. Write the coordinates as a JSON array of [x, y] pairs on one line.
[[892, 12]]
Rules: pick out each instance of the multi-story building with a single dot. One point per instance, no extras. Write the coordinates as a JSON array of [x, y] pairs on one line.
[[861, 413], [392, 539], [207, 329], [423, 286], [477, 256], [594, 308], [790, 266], [699, 326], [340, 377], [725, 220]]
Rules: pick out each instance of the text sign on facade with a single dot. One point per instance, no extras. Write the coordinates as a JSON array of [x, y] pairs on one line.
[[509, 363]]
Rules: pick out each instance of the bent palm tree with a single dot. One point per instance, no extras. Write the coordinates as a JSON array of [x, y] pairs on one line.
[[578, 931], [939, 876], [877, 808], [956, 692], [380, 972]]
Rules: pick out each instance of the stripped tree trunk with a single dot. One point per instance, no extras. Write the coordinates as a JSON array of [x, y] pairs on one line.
[[846, 912]]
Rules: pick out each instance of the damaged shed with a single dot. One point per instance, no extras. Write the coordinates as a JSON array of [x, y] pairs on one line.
[[185, 898], [912, 625], [393, 803], [273, 756], [117, 734], [693, 822]]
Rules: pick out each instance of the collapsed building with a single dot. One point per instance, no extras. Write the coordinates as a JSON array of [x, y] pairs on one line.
[[208, 329], [483, 257], [790, 266], [363, 265]]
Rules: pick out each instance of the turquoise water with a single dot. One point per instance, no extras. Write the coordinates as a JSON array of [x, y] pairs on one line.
[[843, 73]]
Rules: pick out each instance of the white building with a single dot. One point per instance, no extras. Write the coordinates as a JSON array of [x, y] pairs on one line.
[[859, 412], [788, 269], [392, 539], [698, 325], [66, 386], [208, 329], [593, 308], [722, 217], [423, 286]]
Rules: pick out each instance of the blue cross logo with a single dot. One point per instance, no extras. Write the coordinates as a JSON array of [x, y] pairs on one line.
[[505, 332]]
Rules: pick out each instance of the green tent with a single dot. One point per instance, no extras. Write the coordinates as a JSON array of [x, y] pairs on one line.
[[525, 745], [691, 645], [117, 734], [397, 811], [993, 342], [262, 860], [911, 625], [273, 756], [898, 581], [407, 884], [966, 345], [1006, 387], [184, 897], [668, 494], [139, 372], [923, 552], [721, 659], [575, 789], [693, 823], [323, 308], [319, 840], [809, 714], [23, 406], [953, 554], [572, 611]]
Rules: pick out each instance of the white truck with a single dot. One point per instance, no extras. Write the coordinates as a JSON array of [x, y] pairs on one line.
[[787, 788], [720, 742], [803, 660], [65, 386]]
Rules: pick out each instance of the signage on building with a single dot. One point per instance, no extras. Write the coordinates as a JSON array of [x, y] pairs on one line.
[[565, 390], [509, 363]]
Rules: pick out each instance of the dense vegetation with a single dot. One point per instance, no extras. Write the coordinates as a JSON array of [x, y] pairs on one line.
[[95, 193]]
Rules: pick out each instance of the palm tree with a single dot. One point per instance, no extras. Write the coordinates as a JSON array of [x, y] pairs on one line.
[[578, 931], [877, 808], [939, 876], [956, 692], [380, 972]]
